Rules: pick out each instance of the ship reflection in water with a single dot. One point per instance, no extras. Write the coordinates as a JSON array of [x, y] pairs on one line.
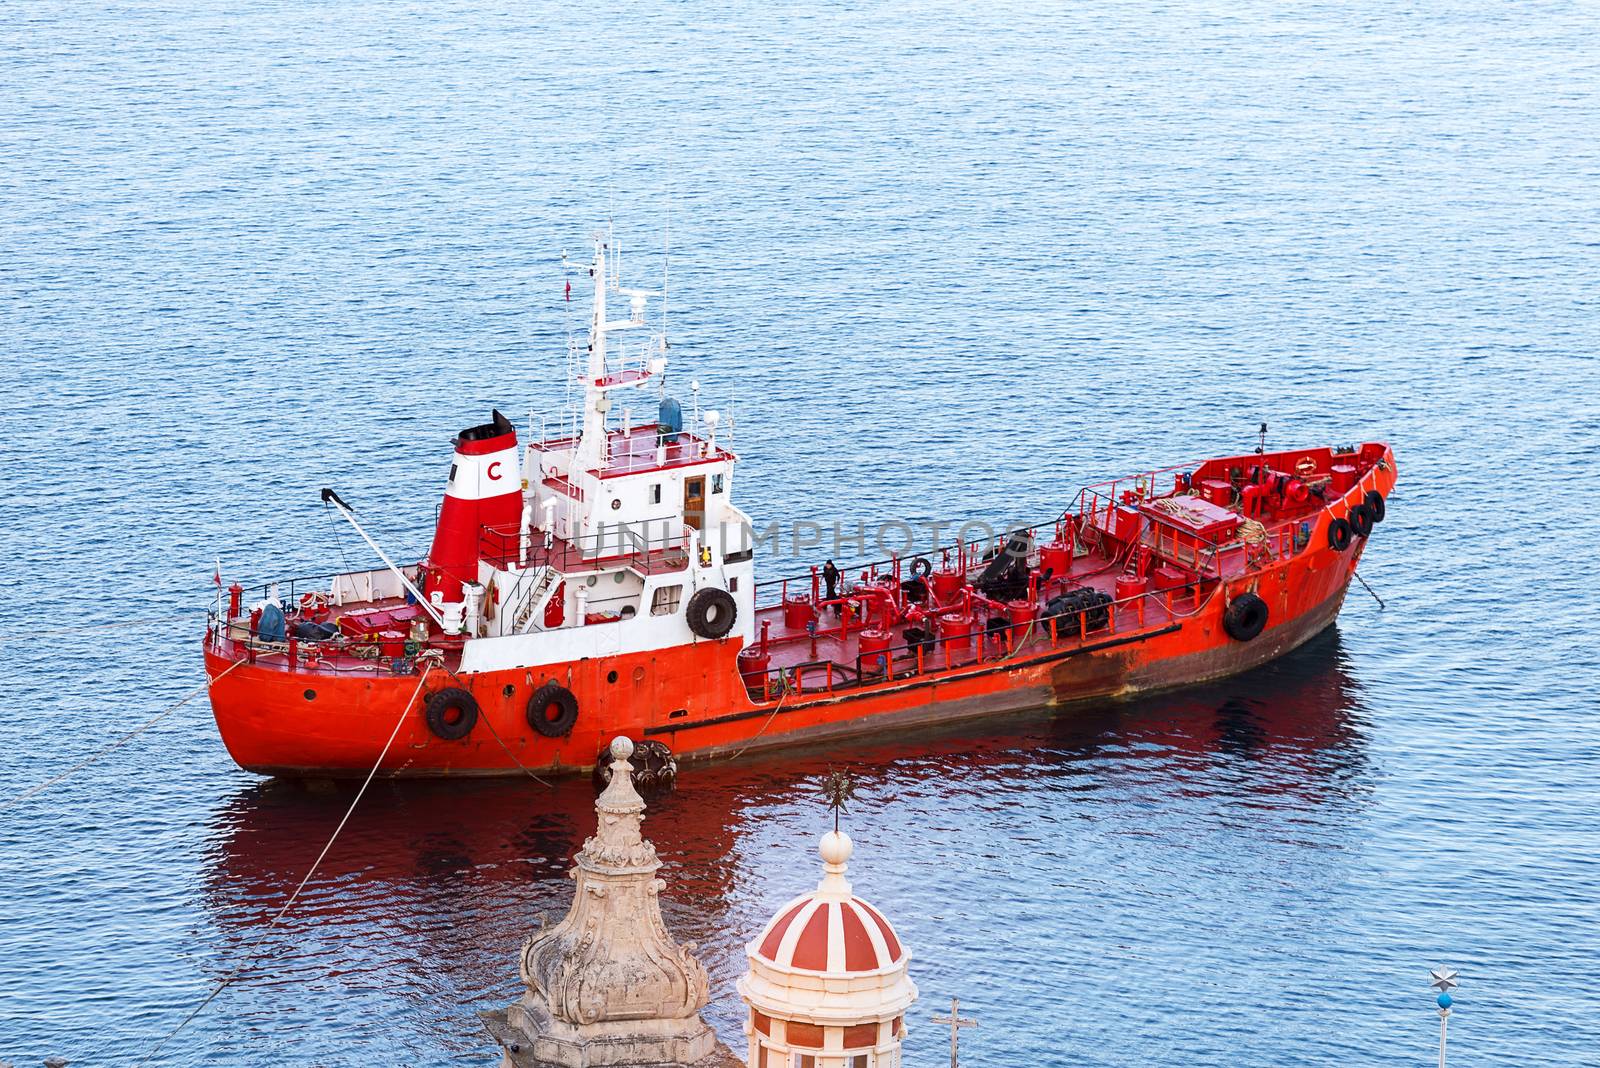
[[1110, 832]]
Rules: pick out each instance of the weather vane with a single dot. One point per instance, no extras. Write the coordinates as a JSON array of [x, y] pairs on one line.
[[839, 789]]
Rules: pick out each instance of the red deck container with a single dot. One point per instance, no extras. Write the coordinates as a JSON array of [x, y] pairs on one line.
[[946, 584], [753, 664], [1168, 577], [874, 651], [798, 611], [956, 631], [1131, 586], [1056, 559]]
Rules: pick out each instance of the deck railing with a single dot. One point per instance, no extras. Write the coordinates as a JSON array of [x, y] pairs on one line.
[[506, 547], [967, 556], [339, 655], [353, 583], [820, 676]]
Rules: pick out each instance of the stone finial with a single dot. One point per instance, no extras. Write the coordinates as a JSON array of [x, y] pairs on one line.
[[608, 985]]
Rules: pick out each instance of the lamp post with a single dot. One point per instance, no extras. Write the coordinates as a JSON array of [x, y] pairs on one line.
[[1444, 981]]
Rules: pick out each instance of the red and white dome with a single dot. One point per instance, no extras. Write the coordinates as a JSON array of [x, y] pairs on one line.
[[818, 933], [827, 974]]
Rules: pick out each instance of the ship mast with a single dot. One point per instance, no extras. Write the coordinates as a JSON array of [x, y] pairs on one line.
[[599, 378], [592, 442]]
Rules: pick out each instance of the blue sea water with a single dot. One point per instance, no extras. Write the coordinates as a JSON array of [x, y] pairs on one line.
[[941, 260]]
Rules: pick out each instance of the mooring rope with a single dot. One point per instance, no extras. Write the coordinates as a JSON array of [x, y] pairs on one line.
[[227, 980], [768, 721], [1020, 642], [119, 743], [490, 724]]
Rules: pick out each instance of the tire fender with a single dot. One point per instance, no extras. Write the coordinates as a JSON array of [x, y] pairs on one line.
[[552, 697], [451, 713], [712, 612], [1245, 617]]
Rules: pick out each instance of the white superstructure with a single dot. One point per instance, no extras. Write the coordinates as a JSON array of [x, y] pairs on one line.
[[620, 528]]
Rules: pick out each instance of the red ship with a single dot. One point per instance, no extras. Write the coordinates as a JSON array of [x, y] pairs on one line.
[[600, 582]]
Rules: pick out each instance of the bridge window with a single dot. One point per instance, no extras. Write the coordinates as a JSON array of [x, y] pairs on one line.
[[655, 493], [665, 601], [716, 483]]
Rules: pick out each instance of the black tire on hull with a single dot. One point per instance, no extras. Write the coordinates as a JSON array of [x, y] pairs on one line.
[[554, 696], [1339, 535], [712, 613], [1361, 520], [1375, 505], [451, 713], [1245, 617]]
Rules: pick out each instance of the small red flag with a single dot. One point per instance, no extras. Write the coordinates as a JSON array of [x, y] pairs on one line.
[[569, 289]]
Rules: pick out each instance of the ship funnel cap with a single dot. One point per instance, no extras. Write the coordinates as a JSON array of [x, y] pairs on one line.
[[497, 427]]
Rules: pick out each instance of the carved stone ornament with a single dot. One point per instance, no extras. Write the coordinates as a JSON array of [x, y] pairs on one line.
[[608, 985]]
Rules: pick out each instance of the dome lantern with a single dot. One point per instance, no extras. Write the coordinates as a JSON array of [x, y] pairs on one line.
[[827, 985]]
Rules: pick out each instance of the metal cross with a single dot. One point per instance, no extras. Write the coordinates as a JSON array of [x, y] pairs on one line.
[[956, 1022]]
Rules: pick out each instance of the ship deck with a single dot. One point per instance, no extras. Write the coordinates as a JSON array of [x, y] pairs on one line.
[[1145, 561], [791, 657], [832, 658]]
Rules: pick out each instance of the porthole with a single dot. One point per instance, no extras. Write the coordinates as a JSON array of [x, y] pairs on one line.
[[510, 690], [311, 695], [638, 675], [616, 502], [591, 580], [620, 577], [611, 676]]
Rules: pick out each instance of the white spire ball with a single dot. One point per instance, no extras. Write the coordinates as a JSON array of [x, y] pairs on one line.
[[621, 748], [836, 847]]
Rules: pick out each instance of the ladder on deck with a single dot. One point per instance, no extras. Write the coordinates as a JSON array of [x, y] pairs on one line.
[[545, 583]]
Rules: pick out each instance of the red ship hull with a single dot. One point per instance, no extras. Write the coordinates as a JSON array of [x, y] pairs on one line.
[[277, 716]]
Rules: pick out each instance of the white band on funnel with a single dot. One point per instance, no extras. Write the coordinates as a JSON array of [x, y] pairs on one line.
[[478, 478]]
